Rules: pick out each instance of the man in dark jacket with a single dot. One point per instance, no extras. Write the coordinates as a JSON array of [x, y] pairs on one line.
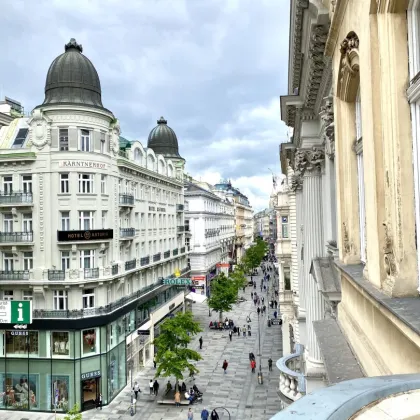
[[156, 387]]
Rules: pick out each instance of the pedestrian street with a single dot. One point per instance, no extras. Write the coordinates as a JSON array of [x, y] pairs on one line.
[[238, 390]]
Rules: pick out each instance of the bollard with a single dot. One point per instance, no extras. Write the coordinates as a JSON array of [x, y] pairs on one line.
[[260, 378]]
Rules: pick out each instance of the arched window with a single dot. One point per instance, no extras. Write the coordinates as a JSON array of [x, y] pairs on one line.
[[150, 163], [161, 169], [138, 156], [360, 176]]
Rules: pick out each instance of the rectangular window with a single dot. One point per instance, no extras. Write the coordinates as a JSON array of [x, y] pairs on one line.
[[22, 343], [60, 300], [8, 222], [102, 143], [28, 261], [20, 138], [65, 220], [64, 184], [60, 345], [8, 263], [85, 141], [63, 139], [27, 222], [87, 258], [8, 295], [27, 184], [284, 227], [104, 217], [85, 183], [27, 295], [103, 184], [286, 273], [7, 184], [136, 221], [88, 298], [65, 260], [89, 340], [86, 220]]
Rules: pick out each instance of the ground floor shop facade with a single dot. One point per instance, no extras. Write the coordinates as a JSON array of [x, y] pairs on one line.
[[50, 367]]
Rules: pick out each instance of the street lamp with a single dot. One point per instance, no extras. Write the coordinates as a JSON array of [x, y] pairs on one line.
[[223, 408]]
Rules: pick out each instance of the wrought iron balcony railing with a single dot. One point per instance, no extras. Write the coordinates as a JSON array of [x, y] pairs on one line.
[[175, 252], [183, 250], [180, 229], [114, 269], [16, 237], [126, 200], [127, 232], [91, 273], [130, 265], [16, 198], [156, 257], [179, 207], [144, 261], [56, 275], [166, 254], [14, 275]]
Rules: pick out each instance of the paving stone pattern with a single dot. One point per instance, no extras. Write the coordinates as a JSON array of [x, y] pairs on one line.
[[237, 390]]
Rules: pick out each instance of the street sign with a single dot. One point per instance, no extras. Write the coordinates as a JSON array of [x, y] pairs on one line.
[[143, 332], [179, 281], [276, 322], [16, 312]]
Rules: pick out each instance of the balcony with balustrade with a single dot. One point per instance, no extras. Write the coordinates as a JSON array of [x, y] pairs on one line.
[[56, 275], [175, 252], [179, 208], [15, 275], [91, 273], [130, 265], [126, 200], [127, 233], [16, 238], [144, 261], [157, 257], [166, 254], [16, 199], [180, 230], [292, 384]]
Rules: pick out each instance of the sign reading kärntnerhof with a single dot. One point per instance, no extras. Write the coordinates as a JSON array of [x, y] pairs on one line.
[[87, 164]]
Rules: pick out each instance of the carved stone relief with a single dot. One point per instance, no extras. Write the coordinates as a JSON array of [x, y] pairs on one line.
[[39, 129], [327, 117], [348, 80]]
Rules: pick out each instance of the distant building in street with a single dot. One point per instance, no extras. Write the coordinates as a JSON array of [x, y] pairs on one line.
[[91, 224], [210, 230]]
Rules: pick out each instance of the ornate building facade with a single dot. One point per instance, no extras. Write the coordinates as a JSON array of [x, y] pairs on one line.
[[365, 324], [91, 224]]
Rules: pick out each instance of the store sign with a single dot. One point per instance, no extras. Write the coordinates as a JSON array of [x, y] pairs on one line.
[[276, 322], [198, 278], [84, 235], [178, 281], [222, 265], [16, 312], [90, 375], [82, 164], [143, 332]]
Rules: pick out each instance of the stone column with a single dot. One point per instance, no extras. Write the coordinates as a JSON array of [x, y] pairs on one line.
[[313, 246]]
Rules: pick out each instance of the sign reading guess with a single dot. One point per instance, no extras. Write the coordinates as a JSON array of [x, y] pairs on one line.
[[90, 375], [82, 164]]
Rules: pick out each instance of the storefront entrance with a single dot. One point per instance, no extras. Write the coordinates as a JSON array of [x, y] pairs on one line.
[[90, 392]]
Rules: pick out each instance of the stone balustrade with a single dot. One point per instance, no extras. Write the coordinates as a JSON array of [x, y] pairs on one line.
[[292, 380]]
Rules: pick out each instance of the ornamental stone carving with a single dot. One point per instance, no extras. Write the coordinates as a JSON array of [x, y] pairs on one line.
[[39, 129], [327, 117], [349, 43], [296, 182]]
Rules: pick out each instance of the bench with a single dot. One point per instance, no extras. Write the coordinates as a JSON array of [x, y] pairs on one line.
[[168, 398]]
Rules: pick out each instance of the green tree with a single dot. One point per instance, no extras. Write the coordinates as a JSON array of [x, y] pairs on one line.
[[73, 414], [173, 357], [223, 294], [238, 277]]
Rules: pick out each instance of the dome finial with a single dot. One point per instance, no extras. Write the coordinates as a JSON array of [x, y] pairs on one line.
[[73, 44], [162, 120]]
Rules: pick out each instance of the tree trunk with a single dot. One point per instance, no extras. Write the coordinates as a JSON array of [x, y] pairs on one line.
[[220, 316]]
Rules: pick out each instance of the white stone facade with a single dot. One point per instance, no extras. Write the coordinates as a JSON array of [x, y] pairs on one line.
[[210, 220], [70, 176]]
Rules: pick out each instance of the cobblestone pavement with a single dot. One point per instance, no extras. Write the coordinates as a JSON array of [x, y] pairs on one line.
[[238, 390]]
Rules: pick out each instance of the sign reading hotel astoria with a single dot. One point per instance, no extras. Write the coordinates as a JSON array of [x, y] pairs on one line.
[[81, 164], [84, 235]]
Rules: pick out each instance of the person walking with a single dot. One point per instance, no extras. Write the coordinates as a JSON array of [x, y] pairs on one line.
[[190, 415], [275, 304], [177, 398], [225, 366], [239, 331], [258, 311], [204, 414], [154, 362], [252, 295], [270, 364], [244, 331], [99, 402], [214, 415], [155, 387], [201, 342], [262, 300], [275, 314], [151, 386], [136, 389], [230, 335], [253, 365]]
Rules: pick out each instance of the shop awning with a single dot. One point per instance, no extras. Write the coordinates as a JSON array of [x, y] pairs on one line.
[[195, 297]]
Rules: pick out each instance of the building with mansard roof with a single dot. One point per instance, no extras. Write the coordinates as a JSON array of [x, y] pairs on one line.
[[91, 224]]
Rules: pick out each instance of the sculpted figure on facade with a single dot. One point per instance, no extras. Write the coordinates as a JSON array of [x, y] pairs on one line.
[[327, 117]]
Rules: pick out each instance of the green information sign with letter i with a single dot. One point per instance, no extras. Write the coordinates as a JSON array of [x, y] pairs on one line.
[[21, 312]]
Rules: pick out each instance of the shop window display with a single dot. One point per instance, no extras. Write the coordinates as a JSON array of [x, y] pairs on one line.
[[21, 342], [58, 395], [89, 341], [60, 343], [19, 391]]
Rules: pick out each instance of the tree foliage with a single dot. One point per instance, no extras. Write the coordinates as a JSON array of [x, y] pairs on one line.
[[254, 255], [73, 414], [173, 356], [223, 294]]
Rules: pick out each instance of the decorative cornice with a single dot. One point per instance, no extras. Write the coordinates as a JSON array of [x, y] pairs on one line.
[[336, 20]]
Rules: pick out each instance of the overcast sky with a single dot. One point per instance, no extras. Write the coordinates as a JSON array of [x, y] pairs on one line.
[[213, 68]]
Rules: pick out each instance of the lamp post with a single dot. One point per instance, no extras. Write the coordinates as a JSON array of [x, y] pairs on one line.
[[223, 408]]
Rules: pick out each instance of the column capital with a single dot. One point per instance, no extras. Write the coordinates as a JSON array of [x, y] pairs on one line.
[[307, 161]]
